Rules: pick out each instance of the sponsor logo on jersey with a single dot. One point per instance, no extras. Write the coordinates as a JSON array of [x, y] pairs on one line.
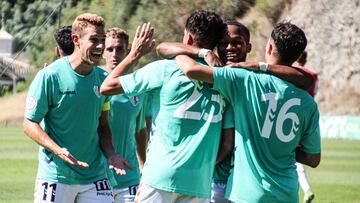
[[97, 91], [67, 92], [31, 102]]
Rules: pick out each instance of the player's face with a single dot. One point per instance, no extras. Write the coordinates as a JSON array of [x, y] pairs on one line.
[[115, 51], [91, 44], [233, 47]]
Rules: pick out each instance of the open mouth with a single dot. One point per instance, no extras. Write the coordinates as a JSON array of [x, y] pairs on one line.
[[96, 55]]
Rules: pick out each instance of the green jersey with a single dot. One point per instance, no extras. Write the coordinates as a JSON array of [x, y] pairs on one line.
[[272, 117], [187, 116], [127, 117], [69, 106]]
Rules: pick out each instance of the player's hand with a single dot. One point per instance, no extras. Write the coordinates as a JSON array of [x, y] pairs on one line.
[[245, 65], [118, 164], [65, 155], [213, 60], [143, 41]]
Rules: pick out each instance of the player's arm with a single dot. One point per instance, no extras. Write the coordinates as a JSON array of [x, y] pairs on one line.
[[312, 160], [141, 135], [226, 144], [194, 70], [33, 130], [169, 50], [295, 75], [142, 44], [141, 146], [115, 162]]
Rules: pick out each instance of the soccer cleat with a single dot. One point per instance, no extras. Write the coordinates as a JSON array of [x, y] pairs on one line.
[[309, 196]]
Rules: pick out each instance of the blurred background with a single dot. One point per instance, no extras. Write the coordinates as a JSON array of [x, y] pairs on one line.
[[331, 26]]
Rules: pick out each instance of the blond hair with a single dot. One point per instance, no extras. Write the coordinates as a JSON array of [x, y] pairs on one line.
[[118, 33], [84, 20]]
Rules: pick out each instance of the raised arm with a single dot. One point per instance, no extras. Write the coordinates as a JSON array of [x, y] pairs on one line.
[[143, 43], [296, 76], [194, 70], [169, 50]]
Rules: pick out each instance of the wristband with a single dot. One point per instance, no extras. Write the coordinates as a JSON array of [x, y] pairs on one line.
[[263, 67], [203, 53]]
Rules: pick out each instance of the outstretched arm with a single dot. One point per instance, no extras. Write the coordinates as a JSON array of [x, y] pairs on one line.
[[143, 43], [295, 75], [169, 50], [36, 133], [194, 70]]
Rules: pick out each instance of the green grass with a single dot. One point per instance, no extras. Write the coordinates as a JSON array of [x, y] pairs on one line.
[[336, 180]]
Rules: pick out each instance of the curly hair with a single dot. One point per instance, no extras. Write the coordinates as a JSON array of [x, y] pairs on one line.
[[207, 27], [83, 20], [63, 40], [118, 33], [290, 41]]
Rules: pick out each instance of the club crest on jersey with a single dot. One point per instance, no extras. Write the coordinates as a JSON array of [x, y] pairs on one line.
[[96, 91], [134, 100]]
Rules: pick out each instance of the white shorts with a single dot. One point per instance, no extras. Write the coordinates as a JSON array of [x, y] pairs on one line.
[[97, 192], [125, 195], [218, 193], [147, 194]]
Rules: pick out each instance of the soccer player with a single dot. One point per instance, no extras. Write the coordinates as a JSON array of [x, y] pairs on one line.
[[74, 132], [188, 117], [65, 45], [303, 180], [233, 48], [276, 123], [129, 133]]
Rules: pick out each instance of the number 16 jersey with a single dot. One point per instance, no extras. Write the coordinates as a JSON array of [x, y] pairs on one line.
[[188, 117], [272, 117]]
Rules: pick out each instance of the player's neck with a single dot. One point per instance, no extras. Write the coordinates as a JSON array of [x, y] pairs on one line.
[[79, 65]]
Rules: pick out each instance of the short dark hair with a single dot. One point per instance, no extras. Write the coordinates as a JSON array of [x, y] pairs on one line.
[[244, 31], [290, 41], [207, 27], [63, 40]]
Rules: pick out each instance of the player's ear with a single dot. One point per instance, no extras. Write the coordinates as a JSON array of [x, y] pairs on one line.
[[75, 38], [269, 48], [57, 51], [248, 47], [188, 38]]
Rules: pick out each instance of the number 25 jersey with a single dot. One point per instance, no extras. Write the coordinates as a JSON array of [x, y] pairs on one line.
[[188, 120]]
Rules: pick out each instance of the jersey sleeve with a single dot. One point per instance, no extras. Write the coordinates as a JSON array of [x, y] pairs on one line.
[[228, 121], [311, 140], [229, 81], [39, 97], [145, 79]]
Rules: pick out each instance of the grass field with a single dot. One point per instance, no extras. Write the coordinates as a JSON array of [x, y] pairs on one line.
[[336, 180]]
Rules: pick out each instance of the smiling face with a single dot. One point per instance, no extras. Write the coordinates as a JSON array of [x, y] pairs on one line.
[[233, 47], [115, 51], [91, 44]]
